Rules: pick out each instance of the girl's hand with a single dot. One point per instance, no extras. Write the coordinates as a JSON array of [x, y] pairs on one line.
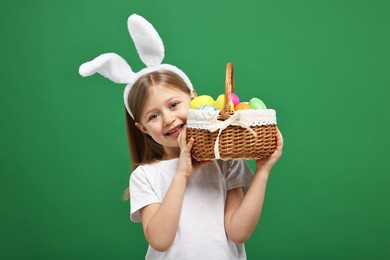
[[187, 164], [267, 163]]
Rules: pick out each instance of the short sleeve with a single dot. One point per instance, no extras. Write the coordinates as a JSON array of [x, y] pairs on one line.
[[239, 174], [141, 194]]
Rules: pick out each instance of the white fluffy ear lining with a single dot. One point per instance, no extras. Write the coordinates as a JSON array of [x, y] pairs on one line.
[[147, 41], [109, 65]]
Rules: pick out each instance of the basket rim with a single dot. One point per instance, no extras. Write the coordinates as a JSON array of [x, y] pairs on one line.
[[203, 119]]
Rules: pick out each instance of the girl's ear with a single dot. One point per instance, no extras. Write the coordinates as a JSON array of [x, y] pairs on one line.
[[141, 128], [193, 94]]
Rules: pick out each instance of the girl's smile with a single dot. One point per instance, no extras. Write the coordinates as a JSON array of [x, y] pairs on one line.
[[164, 115], [175, 131]]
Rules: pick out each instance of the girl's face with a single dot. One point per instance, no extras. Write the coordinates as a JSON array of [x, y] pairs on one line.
[[163, 116]]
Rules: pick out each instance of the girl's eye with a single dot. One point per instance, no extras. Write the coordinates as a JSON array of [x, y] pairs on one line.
[[174, 104], [153, 116]]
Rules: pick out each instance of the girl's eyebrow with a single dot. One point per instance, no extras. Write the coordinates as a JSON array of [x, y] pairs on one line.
[[172, 98]]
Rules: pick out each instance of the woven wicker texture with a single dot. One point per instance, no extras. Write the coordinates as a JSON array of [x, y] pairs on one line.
[[235, 142]]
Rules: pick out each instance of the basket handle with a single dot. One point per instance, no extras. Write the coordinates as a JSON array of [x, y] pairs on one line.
[[229, 88]]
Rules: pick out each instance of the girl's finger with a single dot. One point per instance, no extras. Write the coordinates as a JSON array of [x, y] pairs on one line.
[[280, 140], [190, 143], [182, 137]]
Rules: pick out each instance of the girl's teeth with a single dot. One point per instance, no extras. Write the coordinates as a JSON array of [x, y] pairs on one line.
[[175, 130]]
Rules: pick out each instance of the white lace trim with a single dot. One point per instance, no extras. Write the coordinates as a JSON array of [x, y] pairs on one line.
[[203, 119]]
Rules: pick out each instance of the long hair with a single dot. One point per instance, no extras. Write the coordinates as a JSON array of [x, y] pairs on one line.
[[143, 149]]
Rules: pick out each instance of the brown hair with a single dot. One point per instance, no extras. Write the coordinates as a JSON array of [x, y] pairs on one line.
[[143, 149]]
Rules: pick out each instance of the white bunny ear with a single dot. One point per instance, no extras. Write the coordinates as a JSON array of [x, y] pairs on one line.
[[109, 65], [146, 39]]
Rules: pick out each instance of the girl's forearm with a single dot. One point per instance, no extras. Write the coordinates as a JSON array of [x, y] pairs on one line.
[[161, 229], [247, 215]]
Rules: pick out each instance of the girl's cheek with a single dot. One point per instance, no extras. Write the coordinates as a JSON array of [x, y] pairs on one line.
[[184, 114]]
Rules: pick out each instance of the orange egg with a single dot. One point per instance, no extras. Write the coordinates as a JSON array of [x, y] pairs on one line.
[[242, 106]]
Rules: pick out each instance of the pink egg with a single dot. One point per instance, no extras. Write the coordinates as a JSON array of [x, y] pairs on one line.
[[234, 99]]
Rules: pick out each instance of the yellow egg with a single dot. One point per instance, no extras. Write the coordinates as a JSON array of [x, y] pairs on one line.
[[201, 101], [220, 103]]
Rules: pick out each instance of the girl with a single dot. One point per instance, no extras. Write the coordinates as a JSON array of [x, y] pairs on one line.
[[188, 209]]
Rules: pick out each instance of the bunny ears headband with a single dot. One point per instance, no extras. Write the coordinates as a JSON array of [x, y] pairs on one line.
[[150, 48]]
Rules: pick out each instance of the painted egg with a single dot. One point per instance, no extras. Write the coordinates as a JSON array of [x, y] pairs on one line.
[[234, 99], [243, 106], [206, 107], [201, 100], [256, 103], [219, 103]]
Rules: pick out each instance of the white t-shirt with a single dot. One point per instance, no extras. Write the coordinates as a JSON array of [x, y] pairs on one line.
[[201, 233]]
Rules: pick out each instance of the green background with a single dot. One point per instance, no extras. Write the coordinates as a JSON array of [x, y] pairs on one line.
[[322, 65]]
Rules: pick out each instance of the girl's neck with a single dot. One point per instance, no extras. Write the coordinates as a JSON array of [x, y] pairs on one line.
[[171, 153]]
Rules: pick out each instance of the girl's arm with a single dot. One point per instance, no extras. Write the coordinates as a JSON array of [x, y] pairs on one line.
[[160, 221], [242, 213]]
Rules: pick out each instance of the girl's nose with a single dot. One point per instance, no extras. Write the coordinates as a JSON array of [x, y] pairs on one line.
[[169, 119]]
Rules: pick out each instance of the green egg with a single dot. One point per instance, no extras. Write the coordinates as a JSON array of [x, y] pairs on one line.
[[256, 103]]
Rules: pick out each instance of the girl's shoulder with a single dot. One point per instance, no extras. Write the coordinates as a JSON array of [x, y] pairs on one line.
[[160, 163], [153, 174], [156, 166]]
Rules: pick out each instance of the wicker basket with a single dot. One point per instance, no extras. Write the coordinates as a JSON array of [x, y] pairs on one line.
[[226, 134]]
